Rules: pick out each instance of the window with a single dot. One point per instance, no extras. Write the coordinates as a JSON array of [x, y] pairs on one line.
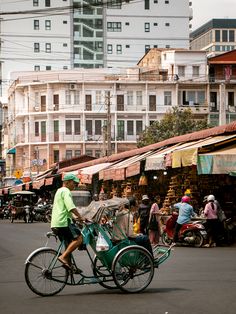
[[139, 98], [147, 4], [56, 156], [152, 102], [43, 103], [217, 35], [155, 46], [68, 153], [98, 127], [225, 35], [43, 131], [166, 1], [109, 48], [77, 152], [47, 3], [127, 23], [97, 153], [48, 25], [139, 127], [120, 102], [127, 46], [130, 127], [119, 49], [65, 45], [48, 47], [130, 98], [88, 128], [88, 102], [64, 22], [167, 98], [167, 24], [181, 70], [67, 97], [195, 71], [231, 35], [35, 3], [114, 26], [56, 130], [120, 130], [36, 47], [147, 48], [56, 102], [68, 127], [36, 24], [37, 68], [147, 27], [48, 67], [155, 24], [89, 152], [36, 128], [230, 98], [99, 97], [77, 127], [114, 4]]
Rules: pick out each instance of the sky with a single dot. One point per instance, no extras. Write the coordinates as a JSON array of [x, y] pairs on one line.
[[205, 10]]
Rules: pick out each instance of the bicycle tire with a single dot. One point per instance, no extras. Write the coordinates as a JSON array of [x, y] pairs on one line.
[[40, 278], [99, 271], [133, 269]]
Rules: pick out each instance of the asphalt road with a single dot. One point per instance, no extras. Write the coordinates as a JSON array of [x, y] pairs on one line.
[[191, 281]]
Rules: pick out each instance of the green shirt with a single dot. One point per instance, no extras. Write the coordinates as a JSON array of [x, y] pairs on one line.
[[62, 206]]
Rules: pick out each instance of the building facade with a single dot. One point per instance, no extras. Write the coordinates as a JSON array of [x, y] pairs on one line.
[[216, 36], [42, 35]]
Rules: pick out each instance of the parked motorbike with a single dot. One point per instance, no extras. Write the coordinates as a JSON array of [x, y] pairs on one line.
[[192, 233], [42, 212]]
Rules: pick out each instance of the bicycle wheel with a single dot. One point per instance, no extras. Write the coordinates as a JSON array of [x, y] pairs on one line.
[[99, 270], [133, 269], [44, 274]]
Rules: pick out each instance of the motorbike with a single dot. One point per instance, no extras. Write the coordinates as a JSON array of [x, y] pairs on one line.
[[191, 234], [42, 212]]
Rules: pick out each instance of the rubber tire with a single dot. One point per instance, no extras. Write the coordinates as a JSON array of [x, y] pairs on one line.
[[201, 240], [98, 273], [165, 239], [27, 273], [124, 254]]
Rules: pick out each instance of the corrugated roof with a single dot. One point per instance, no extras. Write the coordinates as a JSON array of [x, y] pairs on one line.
[[219, 130]]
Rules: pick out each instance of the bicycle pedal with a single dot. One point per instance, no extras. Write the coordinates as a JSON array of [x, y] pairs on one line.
[[77, 271]]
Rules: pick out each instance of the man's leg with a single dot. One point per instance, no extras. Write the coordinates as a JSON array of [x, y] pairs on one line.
[[71, 247], [176, 232]]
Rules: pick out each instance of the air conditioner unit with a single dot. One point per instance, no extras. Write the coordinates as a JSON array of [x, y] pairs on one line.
[[36, 108], [73, 87]]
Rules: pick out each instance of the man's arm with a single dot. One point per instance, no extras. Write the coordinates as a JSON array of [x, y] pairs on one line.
[[75, 212]]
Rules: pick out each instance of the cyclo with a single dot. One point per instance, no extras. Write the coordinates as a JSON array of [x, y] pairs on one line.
[[124, 265]]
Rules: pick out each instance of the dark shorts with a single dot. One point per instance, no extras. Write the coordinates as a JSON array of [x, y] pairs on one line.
[[67, 234]]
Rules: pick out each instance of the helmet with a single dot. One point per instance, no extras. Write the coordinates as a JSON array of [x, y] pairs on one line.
[[185, 199], [210, 198]]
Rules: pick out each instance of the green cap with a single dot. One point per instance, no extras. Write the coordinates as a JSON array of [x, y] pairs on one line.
[[70, 176]]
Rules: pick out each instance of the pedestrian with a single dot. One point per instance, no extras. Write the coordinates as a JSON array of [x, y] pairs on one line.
[[154, 224], [61, 222], [212, 223], [186, 212], [143, 214]]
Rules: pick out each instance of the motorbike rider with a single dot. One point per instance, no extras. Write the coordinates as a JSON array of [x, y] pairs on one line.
[[185, 213]]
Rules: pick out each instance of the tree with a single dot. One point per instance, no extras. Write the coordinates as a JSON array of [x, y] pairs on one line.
[[175, 122]]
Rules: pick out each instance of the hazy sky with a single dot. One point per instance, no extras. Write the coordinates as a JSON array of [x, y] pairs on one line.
[[205, 10]]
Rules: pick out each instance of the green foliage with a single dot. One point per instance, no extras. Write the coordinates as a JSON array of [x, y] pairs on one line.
[[174, 123]]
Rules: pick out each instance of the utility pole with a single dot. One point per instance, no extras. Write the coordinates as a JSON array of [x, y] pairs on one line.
[[107, 128], [108, 124]]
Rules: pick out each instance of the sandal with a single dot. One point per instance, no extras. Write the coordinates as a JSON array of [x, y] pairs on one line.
[[65, 264]]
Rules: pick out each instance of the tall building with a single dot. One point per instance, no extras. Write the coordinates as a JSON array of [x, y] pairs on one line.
[[216, 36], [39, 35]]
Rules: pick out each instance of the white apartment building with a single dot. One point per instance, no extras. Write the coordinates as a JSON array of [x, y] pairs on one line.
[[35, 35], [39, 35], [59, 115]]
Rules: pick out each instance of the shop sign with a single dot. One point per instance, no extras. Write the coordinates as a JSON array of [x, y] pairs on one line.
[[119, 174], [133, 170]]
